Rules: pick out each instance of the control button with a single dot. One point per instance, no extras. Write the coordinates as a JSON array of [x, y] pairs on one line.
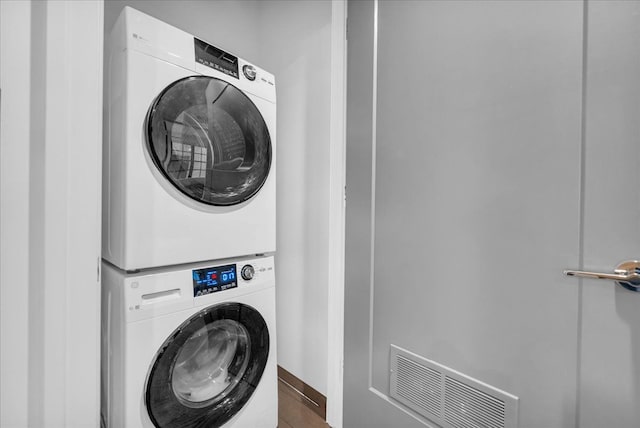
[[247, 272], [249, 72]]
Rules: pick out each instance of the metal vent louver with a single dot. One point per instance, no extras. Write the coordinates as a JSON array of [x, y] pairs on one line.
[[447, 397], [465, 406], [419, 384]]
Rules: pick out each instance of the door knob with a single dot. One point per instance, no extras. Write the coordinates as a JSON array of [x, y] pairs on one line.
[[626, 274]]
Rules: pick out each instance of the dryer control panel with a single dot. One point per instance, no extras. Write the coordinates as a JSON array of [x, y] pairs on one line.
[[216, 58]]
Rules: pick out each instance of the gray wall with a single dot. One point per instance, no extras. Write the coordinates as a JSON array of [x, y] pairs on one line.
[[476, 136], [492, 145], [358, 238], [292, 40], [361, 408], [610, 342]]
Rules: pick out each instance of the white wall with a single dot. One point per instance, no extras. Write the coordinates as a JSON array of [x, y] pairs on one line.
[[229, 24], [50, 227], [298, 40], [292, 40], [50, 202], [14, 211]]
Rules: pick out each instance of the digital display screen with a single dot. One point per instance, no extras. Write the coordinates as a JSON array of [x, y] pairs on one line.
[[213, 279], [216, 58]]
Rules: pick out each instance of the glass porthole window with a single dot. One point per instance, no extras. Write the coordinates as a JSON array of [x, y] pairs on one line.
[[208, 368], [211, 363], [209, 140]]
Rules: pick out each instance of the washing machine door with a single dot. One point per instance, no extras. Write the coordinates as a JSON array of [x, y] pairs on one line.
[[209, 367], [209, 140]]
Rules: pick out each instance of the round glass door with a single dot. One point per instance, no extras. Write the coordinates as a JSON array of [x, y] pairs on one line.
[[208, 368], [209, 140]]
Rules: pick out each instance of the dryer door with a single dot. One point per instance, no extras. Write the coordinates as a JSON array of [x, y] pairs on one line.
[[209, 140], [209, 367]]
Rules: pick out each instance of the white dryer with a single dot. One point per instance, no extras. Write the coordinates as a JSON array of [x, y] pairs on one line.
[[192, 347], [189, 149]]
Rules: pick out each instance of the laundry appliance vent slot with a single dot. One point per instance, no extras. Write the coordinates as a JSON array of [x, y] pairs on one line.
[[447, 397]]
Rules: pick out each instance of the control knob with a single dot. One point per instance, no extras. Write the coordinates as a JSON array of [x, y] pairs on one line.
[[247, 272], [249, 72]]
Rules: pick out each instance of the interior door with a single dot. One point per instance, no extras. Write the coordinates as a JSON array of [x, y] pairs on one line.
[[610, 315], [498, 151]]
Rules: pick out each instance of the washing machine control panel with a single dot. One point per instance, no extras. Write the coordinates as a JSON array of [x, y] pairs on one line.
[[213, 279]]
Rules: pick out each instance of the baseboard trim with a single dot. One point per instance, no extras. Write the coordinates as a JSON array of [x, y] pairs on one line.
[[308, 396]]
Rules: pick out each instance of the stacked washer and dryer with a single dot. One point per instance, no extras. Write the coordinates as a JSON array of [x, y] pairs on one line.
[[188, 301]]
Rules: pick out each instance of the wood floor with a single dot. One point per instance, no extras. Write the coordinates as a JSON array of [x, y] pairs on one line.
[[292, 413]]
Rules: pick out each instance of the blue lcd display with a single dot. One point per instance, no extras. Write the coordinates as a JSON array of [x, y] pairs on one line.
[[213, 279]]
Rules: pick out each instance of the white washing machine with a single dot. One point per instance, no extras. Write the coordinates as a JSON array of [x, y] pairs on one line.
[[189, 149], [191, 347]]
